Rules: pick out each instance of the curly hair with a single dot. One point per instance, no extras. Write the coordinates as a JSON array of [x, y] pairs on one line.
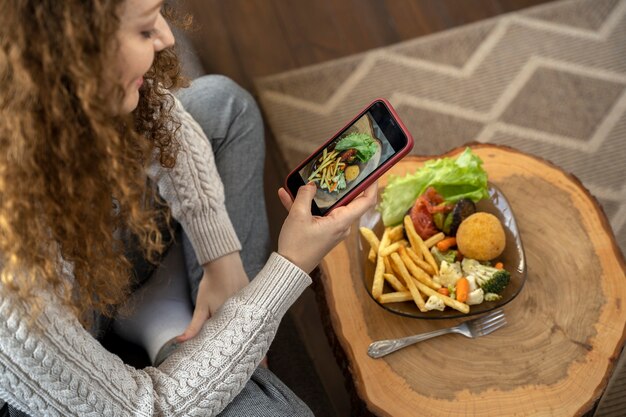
[[65, 158]]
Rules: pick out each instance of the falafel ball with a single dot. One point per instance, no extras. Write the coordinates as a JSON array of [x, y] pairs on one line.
[[352, 172], [481, 237]]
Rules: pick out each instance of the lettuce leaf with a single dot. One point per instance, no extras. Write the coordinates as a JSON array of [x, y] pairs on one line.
[[454, 179], [364, 144]]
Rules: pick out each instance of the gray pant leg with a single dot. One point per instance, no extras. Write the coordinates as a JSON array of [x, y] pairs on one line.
[[232, 122], [266, 396]]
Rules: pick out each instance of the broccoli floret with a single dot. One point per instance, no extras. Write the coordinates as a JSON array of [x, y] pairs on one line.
[[490, 279], [497, 283]]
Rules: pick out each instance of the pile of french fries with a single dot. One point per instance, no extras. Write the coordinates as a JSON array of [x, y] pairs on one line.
[[328, 165], [408, 266]]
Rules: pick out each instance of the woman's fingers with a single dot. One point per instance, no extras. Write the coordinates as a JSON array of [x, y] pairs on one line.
[[201, 312], [368, 198], [303, 200], [357, 207], [305, 239], [200, 315], [285, 198]]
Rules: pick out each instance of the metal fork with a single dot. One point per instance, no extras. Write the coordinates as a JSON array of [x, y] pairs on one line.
[[477, 327]]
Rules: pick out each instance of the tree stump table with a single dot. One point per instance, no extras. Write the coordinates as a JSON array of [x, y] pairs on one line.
[[565, 331]]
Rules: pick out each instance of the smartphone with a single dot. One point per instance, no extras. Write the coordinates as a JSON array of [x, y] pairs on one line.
[[356, 156]]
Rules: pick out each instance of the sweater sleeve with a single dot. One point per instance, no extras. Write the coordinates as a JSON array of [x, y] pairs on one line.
[[194, 191], [54, 367]]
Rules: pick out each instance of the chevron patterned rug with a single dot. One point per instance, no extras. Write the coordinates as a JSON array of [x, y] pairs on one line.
[[549, 80]]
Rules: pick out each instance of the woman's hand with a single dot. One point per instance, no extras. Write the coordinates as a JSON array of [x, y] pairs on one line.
[[222, 278], [305, 239]]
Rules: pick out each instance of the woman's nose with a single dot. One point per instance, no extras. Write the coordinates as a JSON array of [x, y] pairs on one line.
[[165, 37]]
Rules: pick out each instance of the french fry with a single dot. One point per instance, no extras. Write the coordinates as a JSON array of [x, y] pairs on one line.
[[411, 233], [396, 233], [457, 305], [395, 282], [395, 297], [371, 238], [385, 240], [320, 168], [420, 262], [434, 239], [379, 279], [416, 271], [396, 271], [390, 249], [416, 254], [388, 269], [410, 283], [416, 241], [428, 257], [428, 268]]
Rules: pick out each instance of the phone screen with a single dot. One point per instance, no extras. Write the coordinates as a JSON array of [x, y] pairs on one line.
[[353, 155]]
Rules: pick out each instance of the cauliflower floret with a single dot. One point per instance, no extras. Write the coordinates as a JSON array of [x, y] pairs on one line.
[[472, 282], [475, 297], [435, 303], [492, 297], [448, 273]]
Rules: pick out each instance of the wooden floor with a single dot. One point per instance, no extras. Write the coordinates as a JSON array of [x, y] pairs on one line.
[[245, 39]]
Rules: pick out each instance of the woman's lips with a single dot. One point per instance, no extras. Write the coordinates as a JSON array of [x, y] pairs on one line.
[[139, 82]]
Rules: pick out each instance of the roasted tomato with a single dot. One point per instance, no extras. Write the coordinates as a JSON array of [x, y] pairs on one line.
[[422, 219], [434, 201], [348, 156], [429, 203]]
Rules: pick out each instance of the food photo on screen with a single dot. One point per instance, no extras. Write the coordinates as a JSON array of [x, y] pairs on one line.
[[346, 161]]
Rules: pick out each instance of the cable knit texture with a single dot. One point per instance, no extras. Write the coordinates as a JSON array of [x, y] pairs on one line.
[[54, 367], [195, 193]]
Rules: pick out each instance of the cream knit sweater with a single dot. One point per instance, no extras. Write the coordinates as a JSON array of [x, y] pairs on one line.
[[56, 368]]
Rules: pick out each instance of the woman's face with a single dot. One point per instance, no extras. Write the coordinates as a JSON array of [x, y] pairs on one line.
[[143, 32]]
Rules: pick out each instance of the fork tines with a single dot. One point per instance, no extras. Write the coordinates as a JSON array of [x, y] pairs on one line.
[[489, 322]]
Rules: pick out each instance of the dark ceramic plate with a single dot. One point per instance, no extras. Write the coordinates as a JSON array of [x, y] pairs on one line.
[[512, 258]]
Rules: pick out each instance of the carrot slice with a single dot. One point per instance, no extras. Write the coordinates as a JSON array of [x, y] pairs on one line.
[[445, 244], [462, 289]]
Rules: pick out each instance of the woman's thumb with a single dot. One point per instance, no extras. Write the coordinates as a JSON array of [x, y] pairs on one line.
[[305, 197], [198, 319]]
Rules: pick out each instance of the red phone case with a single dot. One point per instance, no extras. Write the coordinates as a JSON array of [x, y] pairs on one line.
[[379, 171]]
